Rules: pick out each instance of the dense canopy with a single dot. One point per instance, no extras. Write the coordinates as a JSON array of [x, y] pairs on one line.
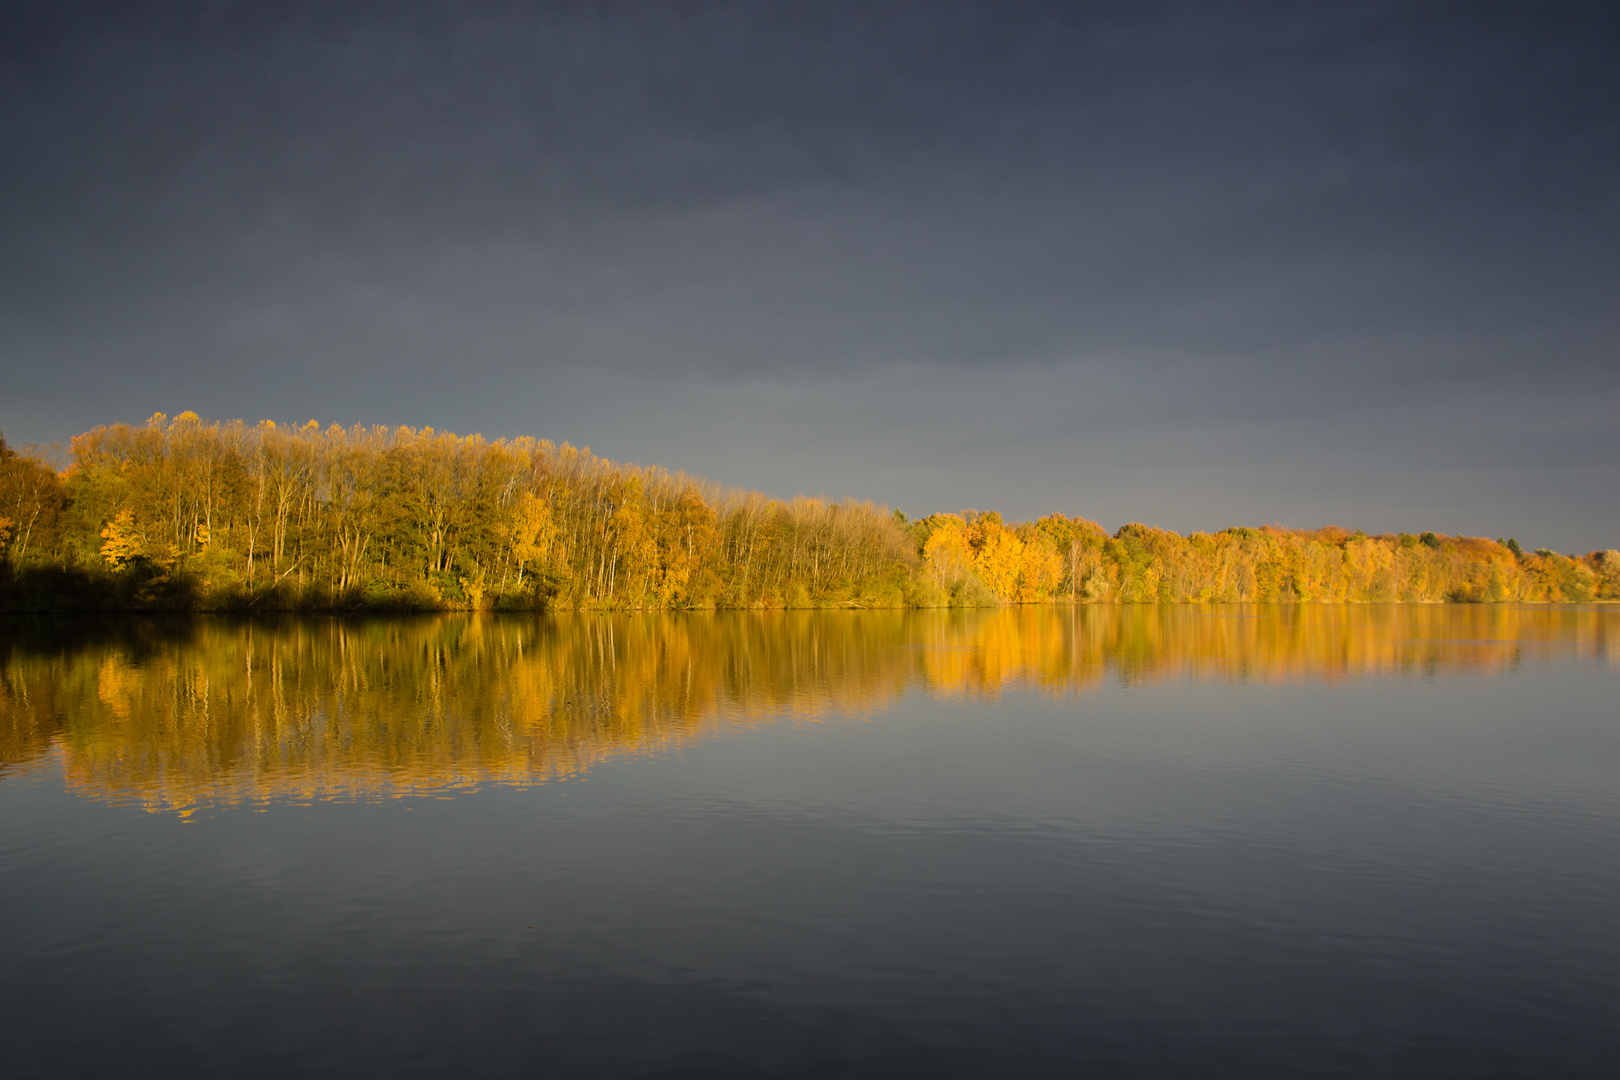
[[186, 513]]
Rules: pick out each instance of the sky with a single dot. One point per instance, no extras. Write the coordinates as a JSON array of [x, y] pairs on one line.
[[1193, 265]]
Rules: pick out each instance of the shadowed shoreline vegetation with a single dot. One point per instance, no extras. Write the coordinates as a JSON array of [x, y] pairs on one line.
[[187, 514]]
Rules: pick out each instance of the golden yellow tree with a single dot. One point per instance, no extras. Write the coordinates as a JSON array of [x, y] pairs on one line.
[[999, 560], [1040, 571], [532, 533], [947, 559], [123, 540]]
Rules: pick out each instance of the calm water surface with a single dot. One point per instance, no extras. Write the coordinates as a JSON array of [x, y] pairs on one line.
[[1141, 841]]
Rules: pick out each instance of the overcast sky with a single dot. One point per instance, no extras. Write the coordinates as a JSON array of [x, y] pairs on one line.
[[1194, 265]]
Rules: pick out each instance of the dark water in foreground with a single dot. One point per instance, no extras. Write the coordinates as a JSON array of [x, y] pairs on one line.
[[1180, 841]]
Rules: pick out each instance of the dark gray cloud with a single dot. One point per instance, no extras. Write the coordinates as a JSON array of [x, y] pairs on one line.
[[1194, 264]]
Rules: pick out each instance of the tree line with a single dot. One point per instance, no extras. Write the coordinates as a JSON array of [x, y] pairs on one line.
[[192, 514], [972, 558]]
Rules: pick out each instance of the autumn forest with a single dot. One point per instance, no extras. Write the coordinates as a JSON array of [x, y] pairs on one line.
[[185, 513]]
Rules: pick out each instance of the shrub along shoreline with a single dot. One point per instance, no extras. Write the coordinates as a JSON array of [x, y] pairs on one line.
[[186, 514]]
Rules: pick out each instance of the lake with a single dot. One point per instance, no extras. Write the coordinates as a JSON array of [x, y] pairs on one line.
[[1238, 840]]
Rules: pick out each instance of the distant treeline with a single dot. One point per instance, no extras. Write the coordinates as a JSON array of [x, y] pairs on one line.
[[190, 514]]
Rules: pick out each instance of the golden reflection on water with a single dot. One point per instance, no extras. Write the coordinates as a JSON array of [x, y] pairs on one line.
[[244, 711]]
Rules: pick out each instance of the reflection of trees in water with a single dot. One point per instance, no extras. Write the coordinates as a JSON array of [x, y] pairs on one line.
[[238, 711]]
